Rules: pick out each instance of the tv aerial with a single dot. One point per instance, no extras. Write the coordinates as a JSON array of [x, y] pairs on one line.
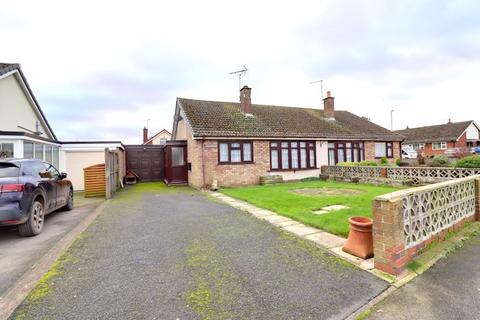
[[240, 74], [321, 85]]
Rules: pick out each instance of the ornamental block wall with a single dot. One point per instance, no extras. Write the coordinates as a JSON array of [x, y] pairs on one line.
[[405, 222]]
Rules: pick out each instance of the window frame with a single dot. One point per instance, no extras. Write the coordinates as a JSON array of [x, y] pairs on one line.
[[309, 145], [356, 146], [441, 145], [388, 147], [229, 149]]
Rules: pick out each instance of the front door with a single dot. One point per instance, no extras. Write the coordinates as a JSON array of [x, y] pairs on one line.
[[178, 164]]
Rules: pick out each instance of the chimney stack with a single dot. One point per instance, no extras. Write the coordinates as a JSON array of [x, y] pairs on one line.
[[145, 134], [329, 107], [246, 100]]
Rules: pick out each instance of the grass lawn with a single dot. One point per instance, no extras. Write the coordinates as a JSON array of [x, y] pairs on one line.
[[287, 199]]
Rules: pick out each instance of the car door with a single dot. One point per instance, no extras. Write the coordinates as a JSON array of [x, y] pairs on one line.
[[61, 186], [37, 170]]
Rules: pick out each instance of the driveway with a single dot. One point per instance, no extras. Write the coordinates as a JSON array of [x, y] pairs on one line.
[[19, 254], [449, 290], [177, 254]]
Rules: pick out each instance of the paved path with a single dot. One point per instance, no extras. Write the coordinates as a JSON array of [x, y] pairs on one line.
[[19, 254], [449, 290], [180, 255]]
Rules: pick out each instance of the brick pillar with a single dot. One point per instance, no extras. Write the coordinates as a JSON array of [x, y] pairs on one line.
[[477, 199], [388, 236]]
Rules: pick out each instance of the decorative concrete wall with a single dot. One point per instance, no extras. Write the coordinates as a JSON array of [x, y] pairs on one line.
[[404, 222], [413, 175]]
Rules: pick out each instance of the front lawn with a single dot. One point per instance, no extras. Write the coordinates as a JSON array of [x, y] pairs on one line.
[[288, 199]]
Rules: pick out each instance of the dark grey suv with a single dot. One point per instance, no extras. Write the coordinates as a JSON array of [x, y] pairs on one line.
[[29, 190]]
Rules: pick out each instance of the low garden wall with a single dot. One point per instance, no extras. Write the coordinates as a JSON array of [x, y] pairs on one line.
[[396, 175], [404, 222]]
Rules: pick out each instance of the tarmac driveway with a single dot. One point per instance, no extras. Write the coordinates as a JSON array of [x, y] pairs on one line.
[[177, 254], [19, 254]]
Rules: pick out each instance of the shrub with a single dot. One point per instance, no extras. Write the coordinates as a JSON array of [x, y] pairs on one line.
[[439, 161], [469, 162], [383, 160], [347, 164], [398, 161], [367, 163]]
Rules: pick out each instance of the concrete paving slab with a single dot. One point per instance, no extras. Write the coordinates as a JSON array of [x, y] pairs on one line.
[[276, 219], [347, 256], [301, 230], [326, 239]]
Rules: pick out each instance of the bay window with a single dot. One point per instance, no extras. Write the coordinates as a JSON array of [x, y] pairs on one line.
[[292, 155], [345, 151], [233, 152]]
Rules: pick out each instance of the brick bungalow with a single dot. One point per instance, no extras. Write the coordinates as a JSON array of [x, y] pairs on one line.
[[237, 143], [434, 140]]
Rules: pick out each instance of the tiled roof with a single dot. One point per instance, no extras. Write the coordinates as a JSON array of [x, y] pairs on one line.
[[7, 67], [443, 132], [225, 119]]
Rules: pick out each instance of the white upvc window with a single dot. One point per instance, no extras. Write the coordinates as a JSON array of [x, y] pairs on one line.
[[439, 145]]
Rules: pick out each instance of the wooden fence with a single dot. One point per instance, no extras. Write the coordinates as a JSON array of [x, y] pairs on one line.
[[103, 179], [112, 181], [94, 180]]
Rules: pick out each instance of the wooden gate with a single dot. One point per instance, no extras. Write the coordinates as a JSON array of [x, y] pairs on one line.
[[112, 180], [146, 161]]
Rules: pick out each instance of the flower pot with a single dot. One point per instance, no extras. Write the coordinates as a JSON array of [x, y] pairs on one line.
[[360, 238]]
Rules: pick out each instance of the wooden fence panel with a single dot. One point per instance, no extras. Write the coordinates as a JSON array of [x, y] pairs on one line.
[[94, 180]]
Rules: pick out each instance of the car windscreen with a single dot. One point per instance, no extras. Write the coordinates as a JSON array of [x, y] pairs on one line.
[[8, 170]]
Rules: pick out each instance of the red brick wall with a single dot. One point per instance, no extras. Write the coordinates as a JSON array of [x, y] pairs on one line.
[[389, 239], [370, 152], [236, 174], [461, 143]]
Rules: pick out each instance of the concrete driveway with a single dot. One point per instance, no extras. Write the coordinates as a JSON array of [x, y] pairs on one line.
[[176, 254], [19, 254]]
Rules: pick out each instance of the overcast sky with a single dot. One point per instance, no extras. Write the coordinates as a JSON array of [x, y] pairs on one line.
[[101, 68]]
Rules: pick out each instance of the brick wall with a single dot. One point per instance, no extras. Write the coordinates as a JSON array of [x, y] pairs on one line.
[[389, 235], [370, 151], [236, 174]]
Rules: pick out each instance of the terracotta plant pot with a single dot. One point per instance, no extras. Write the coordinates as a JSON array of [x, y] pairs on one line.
[[360, 239]]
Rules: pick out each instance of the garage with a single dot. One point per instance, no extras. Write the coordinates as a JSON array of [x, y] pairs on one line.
[[147, 162]]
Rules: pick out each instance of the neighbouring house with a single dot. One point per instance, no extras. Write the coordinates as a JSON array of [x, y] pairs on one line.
[[237, 143], [26, 133], [160, 138], [24, 129], [435, 140]]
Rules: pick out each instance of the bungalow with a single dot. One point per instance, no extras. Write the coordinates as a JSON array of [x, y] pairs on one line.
[[26, 133], [159, 138], [434, 140], [237, 143]]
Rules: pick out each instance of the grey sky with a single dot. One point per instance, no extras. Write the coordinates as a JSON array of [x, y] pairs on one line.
[[101, 68]]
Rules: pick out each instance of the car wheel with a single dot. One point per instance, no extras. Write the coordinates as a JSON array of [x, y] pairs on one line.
[[69, 205], [34, 224]]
